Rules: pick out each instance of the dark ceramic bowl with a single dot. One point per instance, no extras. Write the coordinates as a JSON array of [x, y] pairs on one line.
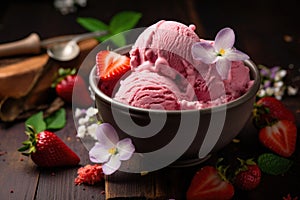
[[186, 136]]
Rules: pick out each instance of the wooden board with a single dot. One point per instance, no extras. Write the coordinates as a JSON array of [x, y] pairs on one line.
[[25, 82]]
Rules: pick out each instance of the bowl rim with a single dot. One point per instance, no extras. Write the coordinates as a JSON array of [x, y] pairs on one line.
[[234, 103]]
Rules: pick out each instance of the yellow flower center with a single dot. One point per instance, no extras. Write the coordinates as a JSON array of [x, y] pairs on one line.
[[221, 52], [113, 151]]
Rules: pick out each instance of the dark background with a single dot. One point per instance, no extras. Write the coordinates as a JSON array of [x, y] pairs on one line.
[[267, 30]]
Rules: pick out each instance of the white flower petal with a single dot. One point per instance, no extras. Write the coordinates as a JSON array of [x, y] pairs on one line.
[[92, 129], [81, 131], [99, 154], [224, 39], [125, 149], [83, 120], [235, 55], [292, 90], [91, 111], [107, 135], [204, 52], [78, 112], [112, 165], [223, 67]]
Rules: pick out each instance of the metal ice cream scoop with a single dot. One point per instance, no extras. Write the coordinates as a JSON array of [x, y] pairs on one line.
[[61, 48], [68, 51]]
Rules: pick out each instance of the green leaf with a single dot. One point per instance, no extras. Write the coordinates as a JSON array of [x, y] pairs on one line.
[[92, 24], [119, 40], [273, 164], [124, 21], [57, 120], [24, 148], [36, 121]]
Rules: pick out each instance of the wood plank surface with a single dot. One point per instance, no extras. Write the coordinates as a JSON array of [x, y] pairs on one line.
[[18, 175], [59, 183], [21, 179], [159, 185], [262, 30]]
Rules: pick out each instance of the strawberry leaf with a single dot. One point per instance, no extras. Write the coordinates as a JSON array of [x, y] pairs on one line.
[[119, 40], [57, 120], [120, 22], [124, 21], [92, 24], [36, 121]]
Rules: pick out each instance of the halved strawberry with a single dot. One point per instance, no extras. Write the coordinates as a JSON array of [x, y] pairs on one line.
[[111, 65], [209, 183], [280, 137], [269, 109]]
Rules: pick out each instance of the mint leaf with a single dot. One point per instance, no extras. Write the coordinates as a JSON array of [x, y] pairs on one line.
[[119, 40], [273, 164], [92, 24], [37, 121], [57, 120], [124, 21], [119, 23]]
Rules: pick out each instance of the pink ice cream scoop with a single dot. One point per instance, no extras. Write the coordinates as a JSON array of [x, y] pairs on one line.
[[146, 89], [166, 43], [164, 74]]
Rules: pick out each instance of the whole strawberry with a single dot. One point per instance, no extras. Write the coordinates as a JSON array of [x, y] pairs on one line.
[[210, 183], [248, 175], [48, 150], [269, 109], [69, 82]]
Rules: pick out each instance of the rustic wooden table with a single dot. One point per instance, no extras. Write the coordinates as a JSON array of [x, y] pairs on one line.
[[269, 33]]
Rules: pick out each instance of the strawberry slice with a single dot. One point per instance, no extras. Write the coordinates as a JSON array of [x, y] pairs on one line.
[[111, 65], [269, 109], [208, 183], [280, 137]]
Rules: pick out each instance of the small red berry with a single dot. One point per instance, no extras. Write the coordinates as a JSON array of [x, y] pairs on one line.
[[249, 179], [248, 176]]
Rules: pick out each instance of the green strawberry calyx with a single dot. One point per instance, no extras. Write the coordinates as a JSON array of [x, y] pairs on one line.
[[29, 145], [261, 116], [244, 165], [222, 170], [61, 74]]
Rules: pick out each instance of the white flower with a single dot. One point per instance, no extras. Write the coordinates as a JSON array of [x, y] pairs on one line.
[[269, 91], [83, 120], [109, 150], [261, 93], [280, 74], [292, 90], [91, 111], [91, 130], [79, 112], [81, 131], [220, 52], [278, 84]]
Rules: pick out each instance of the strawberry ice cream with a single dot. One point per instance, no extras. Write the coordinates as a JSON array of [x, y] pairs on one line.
[[164, 75]]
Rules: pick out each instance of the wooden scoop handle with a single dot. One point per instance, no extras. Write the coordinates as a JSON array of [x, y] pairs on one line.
[[28, 45]]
